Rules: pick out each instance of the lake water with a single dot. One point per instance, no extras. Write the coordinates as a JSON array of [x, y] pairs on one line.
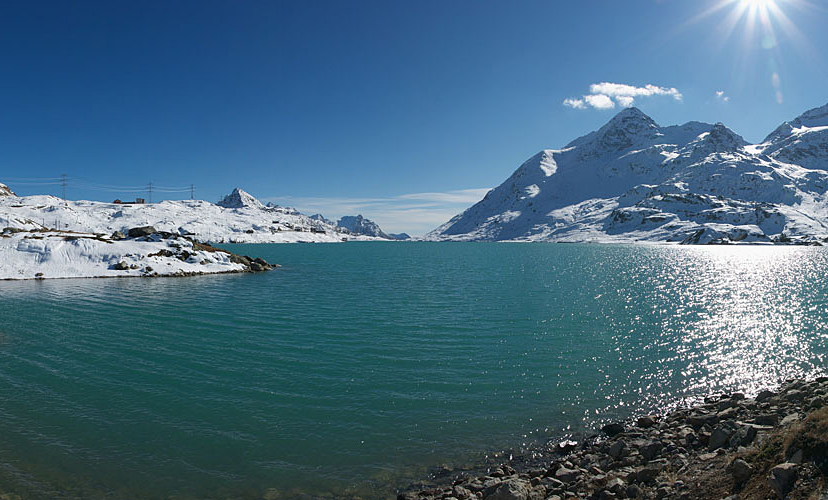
[[355, 367]]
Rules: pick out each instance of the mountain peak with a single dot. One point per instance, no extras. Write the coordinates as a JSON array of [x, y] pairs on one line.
[[632, 112], [630, 126], [360, 225], [5, 191], [240, 199], [816, 117], [721, 139]]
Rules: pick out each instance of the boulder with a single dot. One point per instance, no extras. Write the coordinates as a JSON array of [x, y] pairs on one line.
[[763, 395], [515, 489], [719, 437], [117, 235], [616, 450], [612, 429], [567, 475], [121, 266], [651, 450], [647, 421], [740, 470], [782, 479], [137, 232]]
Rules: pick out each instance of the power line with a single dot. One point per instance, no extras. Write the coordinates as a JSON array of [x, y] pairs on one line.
[[63, 184], [192, 191], [150, 193]]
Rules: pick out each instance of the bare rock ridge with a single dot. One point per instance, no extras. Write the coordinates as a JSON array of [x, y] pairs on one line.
[[5, 191], [634, 180]]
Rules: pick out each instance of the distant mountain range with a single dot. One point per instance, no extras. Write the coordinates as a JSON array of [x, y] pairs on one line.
[[634, 180]]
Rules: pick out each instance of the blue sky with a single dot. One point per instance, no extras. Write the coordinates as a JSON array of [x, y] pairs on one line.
[[405, 112]]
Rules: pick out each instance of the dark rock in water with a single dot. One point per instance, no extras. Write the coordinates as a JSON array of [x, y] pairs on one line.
[[647, 421], [137, 232], [566, 446], [612, 429], [239, 259]]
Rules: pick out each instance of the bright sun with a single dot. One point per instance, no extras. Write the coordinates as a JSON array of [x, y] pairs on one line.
[[757, 3]]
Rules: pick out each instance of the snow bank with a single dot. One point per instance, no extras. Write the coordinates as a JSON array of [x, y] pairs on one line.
[[61, 254]]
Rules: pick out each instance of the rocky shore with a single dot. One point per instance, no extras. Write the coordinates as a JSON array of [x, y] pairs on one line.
[[774, 445]]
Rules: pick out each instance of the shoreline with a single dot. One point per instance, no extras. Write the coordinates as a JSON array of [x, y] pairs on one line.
[[729, 447], [145, 252]]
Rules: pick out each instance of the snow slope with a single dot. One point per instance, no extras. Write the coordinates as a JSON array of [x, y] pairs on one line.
[[240, 218], [633, 180], [54, 254], [5, 191]]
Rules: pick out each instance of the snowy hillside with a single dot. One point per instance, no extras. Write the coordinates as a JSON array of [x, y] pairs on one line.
[[239, 218], [5, 191], [633, 180], [59, 254]]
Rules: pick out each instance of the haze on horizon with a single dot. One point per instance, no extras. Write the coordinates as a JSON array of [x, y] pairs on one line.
[[405, 113]]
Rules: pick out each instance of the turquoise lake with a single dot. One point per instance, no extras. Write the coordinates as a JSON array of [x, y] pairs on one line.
[[356, 367]]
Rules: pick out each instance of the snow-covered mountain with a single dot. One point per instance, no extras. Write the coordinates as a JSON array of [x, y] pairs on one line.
[[238, 218], [5, 191], [240, 199], [633, 180], [357, 224]]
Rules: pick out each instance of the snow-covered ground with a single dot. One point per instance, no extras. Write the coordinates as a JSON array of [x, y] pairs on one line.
[[239, 218], [46, 237], [60, 254], [633, 180]]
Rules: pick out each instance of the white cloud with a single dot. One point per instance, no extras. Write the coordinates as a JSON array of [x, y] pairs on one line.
[[605, 95], [599, 101], [413, 213], [623, 90], [721, 96]]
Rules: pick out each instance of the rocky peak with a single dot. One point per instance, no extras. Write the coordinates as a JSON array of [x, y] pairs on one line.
[[817, 117], [321, 218], [360, 225], [629, 127], [5, 191], [721, 139], [240, 199]]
